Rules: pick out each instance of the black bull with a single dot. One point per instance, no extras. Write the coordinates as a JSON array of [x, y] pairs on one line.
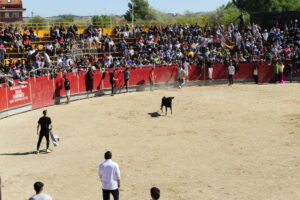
[[167, 103]]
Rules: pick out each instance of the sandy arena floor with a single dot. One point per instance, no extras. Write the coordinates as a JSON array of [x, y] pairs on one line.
[[230, 143]]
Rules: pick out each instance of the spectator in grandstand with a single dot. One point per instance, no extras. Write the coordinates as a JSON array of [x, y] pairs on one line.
[[155, 193], [110, 176], [39, 187], [43, 130], [2, 52], [112, 80], [126, 77], [231, 72], [90, 79], [152, 77], [67, 85], [27, 43]]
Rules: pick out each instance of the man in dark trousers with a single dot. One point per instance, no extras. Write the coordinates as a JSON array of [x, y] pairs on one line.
[[43, 130], [110, 176], [126, 77], [67, 88], [90, 80], [112, 81]]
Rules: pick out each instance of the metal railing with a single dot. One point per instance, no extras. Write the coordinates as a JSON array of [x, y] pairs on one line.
[[84, 24]]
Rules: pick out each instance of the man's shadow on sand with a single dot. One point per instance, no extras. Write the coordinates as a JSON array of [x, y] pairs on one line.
[[23, 154], [155, 115]]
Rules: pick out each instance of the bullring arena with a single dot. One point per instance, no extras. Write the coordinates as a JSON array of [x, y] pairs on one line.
[[240, 142]]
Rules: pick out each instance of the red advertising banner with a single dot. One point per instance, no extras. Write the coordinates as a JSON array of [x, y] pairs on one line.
[[18, 96]]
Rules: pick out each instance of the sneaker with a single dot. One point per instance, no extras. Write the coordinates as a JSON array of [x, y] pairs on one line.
[[48, 151]]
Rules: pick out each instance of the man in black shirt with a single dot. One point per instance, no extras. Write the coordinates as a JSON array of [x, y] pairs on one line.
[[112, 80], [43, 129], [67, 88]]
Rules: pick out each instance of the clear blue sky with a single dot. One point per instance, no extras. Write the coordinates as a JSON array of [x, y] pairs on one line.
[[47, 8]]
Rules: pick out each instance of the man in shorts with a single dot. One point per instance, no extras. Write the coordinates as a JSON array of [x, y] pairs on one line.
[[43, 130]]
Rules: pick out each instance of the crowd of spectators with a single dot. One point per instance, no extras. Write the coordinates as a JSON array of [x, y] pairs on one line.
[[160, 45]]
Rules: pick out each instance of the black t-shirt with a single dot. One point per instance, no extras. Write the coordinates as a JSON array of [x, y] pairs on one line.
[[44, 122], [111, 77], [67, 84]]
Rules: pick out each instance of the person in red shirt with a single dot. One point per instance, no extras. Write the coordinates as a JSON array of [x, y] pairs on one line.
[[26, 43], [152, 78]]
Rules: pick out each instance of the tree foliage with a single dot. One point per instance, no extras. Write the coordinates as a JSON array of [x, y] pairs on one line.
[[100, 19], [37, 19], [141, 10], [229, 13], [267, 5], [65, 18]]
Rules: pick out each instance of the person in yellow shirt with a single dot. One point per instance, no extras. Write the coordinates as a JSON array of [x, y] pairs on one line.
[[281, 72]]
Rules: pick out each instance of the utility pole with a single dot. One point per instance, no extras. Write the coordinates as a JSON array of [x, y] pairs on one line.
[[132, 17]]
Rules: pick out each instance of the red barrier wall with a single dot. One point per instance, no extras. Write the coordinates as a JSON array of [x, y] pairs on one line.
[[3, 99], [42, 91]]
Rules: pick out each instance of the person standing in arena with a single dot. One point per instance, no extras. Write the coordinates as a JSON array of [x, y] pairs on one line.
[[152, 78], [126, 77], [109, 174], [186, 69], [39, 187], [67, 85], [112, 81], [43, 130], [231, 72], [90, 79], [181, 76]]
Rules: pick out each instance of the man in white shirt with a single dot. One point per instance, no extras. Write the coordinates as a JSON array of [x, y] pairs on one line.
[[38, 187], [186, 68], [231, 72], [109, 174]]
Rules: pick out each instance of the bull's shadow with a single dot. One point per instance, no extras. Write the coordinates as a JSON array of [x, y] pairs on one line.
[[154, 114]]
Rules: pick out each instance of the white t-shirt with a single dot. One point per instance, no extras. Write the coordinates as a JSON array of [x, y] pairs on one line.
[[109, 173], [40, 197], [231, 70]]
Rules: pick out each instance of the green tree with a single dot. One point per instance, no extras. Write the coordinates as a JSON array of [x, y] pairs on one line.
[[65, 18], [267, 5], [101, 19], [141, 10], [37, 20], [229, 13]]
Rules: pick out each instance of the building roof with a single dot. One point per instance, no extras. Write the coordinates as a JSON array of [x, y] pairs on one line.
[[8, 2]]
